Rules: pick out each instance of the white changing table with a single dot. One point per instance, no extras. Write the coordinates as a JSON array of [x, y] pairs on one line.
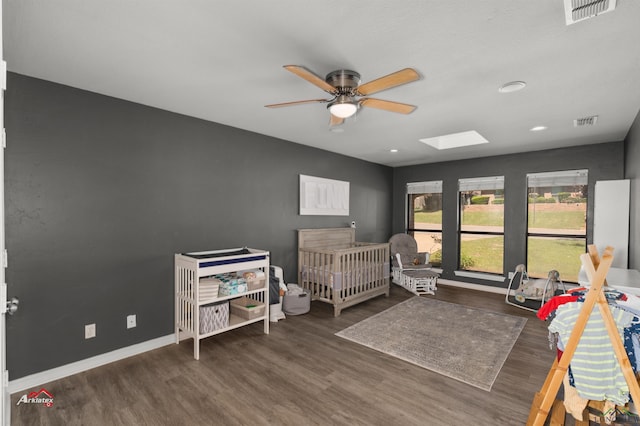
[[625, 280]]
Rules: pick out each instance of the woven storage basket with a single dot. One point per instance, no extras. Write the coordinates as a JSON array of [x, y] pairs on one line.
[[247, 308]]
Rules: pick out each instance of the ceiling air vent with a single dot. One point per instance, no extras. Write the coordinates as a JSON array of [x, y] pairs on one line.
[[579, 10], [585, 121]]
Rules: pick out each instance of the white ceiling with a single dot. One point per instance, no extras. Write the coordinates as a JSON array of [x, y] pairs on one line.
[[222, 61]]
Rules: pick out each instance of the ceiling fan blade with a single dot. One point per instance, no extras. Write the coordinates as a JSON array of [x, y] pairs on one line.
[[311, 77], [335, 121], [388, 105], [397, 78], [294, 103]]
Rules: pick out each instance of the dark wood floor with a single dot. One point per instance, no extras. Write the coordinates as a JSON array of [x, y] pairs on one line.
[[299, 374]]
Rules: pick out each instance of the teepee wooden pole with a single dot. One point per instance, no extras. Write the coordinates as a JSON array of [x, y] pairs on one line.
[[544, 399], [616, 341]]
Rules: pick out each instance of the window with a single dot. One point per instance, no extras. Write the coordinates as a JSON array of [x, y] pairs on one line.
[[424, 220], [481, 225], [557, 223]]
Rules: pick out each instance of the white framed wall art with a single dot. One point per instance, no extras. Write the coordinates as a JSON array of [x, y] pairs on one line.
[[326, 197]]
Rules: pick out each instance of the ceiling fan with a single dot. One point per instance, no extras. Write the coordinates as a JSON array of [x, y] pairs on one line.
[[349, 95]]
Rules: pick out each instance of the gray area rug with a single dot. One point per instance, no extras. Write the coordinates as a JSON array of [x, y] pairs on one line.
[[466, 344]]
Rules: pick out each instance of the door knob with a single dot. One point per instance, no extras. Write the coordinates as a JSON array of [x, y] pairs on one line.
[[12, 305]]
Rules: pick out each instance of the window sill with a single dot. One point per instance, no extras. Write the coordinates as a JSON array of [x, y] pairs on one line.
[[479, 275]]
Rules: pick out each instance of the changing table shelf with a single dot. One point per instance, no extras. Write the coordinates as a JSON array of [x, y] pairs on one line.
[[191, 308]]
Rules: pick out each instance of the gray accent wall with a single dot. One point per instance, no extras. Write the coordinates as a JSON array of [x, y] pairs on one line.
[[100, 194], [604, 161], [632, 172]]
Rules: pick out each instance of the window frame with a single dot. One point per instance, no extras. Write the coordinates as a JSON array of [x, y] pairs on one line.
[[578, 177], [415, 188], [478, 184]]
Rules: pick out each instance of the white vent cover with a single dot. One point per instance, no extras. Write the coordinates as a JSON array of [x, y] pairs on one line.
[[579, 10], [585, 121]]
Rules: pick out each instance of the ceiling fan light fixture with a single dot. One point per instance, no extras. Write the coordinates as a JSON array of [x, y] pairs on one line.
[[347, 93], [343, 107]]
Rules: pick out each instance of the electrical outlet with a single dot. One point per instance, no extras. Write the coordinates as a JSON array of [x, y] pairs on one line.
[[131, 321], [89, 331]]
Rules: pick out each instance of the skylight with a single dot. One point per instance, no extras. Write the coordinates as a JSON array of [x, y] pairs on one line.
[[455, 140]]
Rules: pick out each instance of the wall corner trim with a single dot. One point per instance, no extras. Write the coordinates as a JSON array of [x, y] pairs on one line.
[[38, 379]]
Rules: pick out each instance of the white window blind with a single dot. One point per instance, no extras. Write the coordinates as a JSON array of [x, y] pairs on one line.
[[432, 187], [482, 183], [561, 178]]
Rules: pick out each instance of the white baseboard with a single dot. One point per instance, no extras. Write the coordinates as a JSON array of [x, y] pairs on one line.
[[479, 287], [38, 379]]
